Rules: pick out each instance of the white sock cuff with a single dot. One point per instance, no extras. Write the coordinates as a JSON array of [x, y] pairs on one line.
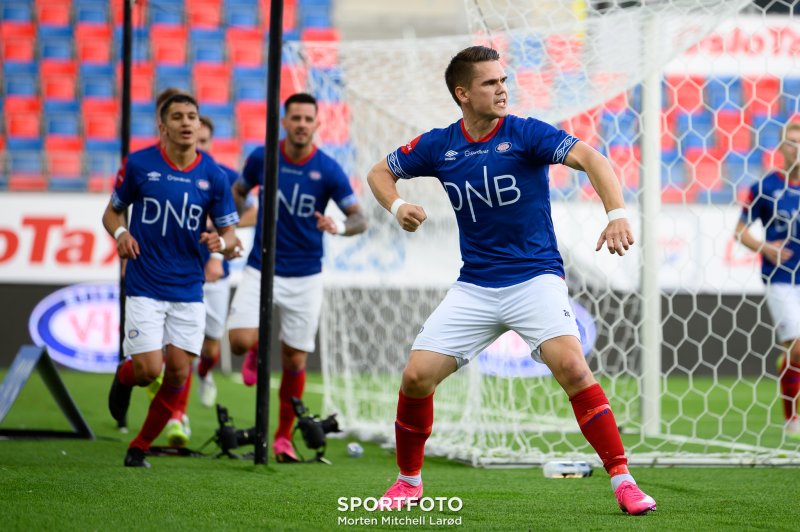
[[416, 480], [616, 480]]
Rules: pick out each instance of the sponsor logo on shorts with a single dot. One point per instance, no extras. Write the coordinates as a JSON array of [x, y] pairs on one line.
[[133, 333]]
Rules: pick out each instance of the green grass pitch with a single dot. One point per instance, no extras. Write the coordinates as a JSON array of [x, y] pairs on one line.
[[82, 485]]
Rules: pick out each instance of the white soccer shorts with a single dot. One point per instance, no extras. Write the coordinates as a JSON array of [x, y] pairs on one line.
[[783, 300], [151, 324], [216, 297], [471, 317], [298, 298]]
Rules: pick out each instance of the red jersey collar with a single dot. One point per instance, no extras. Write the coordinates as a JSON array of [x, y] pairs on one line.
[[174, 166], [302, 161], [487, 136]]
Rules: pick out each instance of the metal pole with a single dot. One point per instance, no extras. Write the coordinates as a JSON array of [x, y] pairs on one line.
[[269, 219], [125, 139]]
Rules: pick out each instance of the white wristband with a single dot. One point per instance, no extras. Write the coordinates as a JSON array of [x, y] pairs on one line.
[[340, 227], [218, 256], [396, 204], [119, 231], [223, 243], [616, 214]]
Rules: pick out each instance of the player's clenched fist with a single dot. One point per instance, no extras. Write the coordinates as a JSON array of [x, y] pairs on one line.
[[127, 246], [410, 216]]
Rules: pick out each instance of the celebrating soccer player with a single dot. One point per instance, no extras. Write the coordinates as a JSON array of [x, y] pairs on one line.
[[493, 167], [307, 179], [172, 188], [775, 201]]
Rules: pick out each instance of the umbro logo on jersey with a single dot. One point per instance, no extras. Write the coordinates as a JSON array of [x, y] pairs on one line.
[[153, 176], [503, 146], [450, 155]]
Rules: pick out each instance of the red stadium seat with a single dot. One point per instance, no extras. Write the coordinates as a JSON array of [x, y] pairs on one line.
[[625, 162], [293, 79], [100, 183], [63, 156], [334, 123], [251, 118], [762, 95], [93, 43], [685, 92], [703, 169], [139, 13], [245, 46], [321, 50], [140, 143], [53, 12], [534, 87], [733, 134], [100, 118], [58, 80], [204, 13], [289, 14], [141, 82], [18, 41], [212, 82], [227, 152], [669, 120], [168, 43], [23, 116], [584, 126], [27, 183]]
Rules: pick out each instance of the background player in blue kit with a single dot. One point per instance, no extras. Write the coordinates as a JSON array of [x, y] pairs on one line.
[[775, 201], [493, 167], [173, 189], [307, 179]]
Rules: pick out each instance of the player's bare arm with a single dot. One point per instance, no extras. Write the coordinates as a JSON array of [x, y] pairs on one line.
[[354, 224], [223, 241], [617, 236], [240, 192], [114, 222], [383, 184], [774, 251]]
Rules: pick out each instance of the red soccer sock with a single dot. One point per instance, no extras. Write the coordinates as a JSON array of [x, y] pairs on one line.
[[183, 399], [206, 364], [412, 428], [790, 387], [599, 427], [292, 385], [125, 374], [161, 408]]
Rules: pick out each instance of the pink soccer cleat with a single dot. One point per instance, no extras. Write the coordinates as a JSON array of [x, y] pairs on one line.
[[634, 501], [250, 367], [399, 495], [284, 450]]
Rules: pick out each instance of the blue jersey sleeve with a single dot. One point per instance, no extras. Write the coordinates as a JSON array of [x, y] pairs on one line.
[[223, 209], [413, 159], [125, 189], [545, 143], [339, 186], [253, 170]]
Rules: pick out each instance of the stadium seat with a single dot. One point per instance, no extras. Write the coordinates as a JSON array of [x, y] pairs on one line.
[[696, 130], [723, 93], [241, 13], [26, 182], [621, 128], [62, 118], [140, 45], [100, 118], [142, 75], [703, 169], [293, 79], [251, 119], [54, 12], [102, 162], [250, 83], [22, 117], [58, 79], [320, 46], [227, 152], [167, 12], [143, 119], [139, 13], [767, 131], [55, 42], [94, 11], [93, 43], [733, 133], [97, 81], [315, 14], [625, 162], [173, 76], [585, 126], [790, 95], [204, 13], [212, 82], [63, 156], [140, 143], [334, 121], [21, 79], [327, 84], [168, 44], [685, 93], [762, 95], [245, 46], [18, 41], [208, 46], [290, 16], [222, 115], [24, 163], [17, 11]]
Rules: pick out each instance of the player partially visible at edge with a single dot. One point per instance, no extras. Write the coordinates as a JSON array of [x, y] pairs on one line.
[[775, 201], [493, 167]]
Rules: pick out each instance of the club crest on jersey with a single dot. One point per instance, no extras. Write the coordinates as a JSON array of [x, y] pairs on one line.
[[450, 155], [411, 145], [503, 146], [202, 184], [315, 175]]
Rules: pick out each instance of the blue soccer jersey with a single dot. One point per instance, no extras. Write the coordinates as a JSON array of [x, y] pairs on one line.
[[232, 176], [776, 202], [499, 189], [170, 209], [303, 187]]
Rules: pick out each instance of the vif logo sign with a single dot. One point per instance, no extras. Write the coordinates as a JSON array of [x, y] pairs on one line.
[[79, 325]]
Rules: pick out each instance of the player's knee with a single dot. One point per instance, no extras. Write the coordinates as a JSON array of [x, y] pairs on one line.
[[417, 383], [573, 372], [176, 376], [239, 344]]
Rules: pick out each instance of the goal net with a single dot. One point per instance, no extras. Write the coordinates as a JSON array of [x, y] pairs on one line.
[[723, 75]]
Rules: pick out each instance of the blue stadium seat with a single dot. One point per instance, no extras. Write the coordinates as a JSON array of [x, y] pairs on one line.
[[327, 83], [179, 76], [97, 81], [695, 130], [768, 131], [790, 96], [242, 13], [140, 44], [166, 12], [723, 93], [56, 42], [62, 118], [250, 83], [24, 156], [96, 11], [17, 10], [20, 79], [102, 157], [315, 14], [621, 129], [222, 116], [143, 119], [208, 46]]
